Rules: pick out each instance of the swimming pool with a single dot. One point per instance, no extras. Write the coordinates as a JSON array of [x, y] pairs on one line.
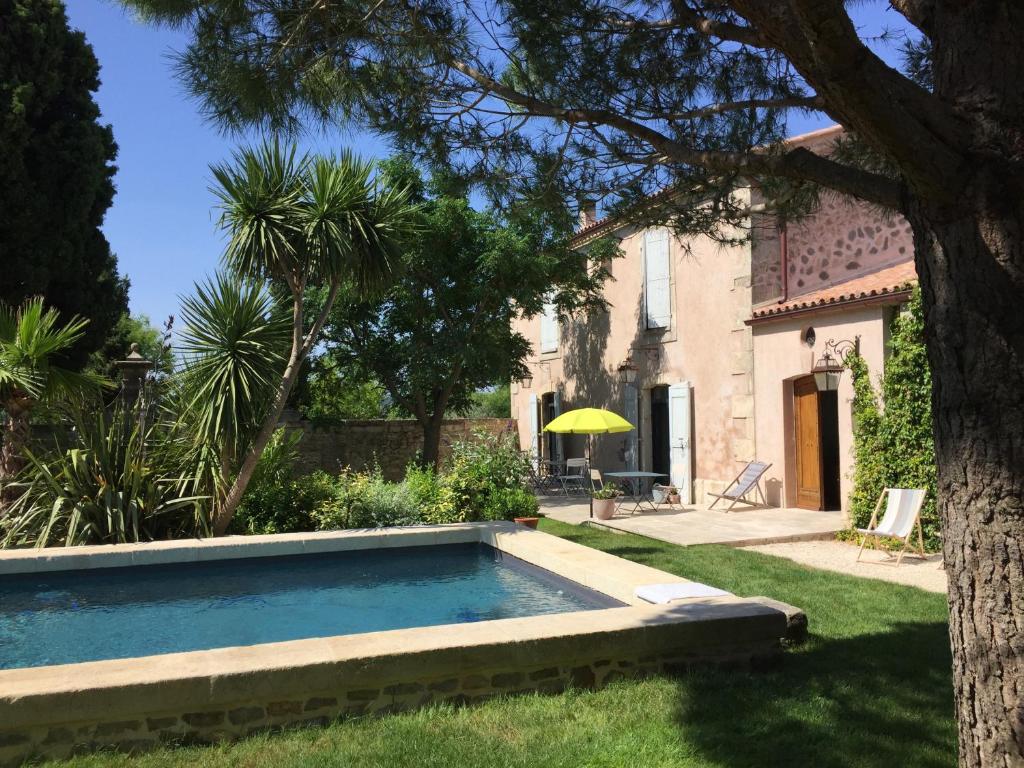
[[331, 625], [64, 617]]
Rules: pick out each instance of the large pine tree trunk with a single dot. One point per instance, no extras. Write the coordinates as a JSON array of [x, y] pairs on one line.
[[971, 269]]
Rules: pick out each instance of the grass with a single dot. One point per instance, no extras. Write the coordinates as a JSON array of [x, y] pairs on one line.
[[871, 687]]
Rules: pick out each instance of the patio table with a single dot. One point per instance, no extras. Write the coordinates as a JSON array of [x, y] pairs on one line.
[[637, 481]]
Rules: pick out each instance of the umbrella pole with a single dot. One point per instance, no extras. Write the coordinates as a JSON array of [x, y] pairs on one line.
[[590, 477]]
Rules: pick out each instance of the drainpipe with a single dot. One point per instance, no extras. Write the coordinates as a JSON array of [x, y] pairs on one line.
[[784, 261]]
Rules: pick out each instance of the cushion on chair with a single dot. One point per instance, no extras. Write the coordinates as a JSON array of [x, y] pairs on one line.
[[683, 590]]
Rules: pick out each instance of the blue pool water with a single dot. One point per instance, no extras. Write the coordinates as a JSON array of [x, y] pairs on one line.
[[71, 616]]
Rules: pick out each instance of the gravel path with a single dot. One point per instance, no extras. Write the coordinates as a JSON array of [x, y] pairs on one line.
[[841, 557]]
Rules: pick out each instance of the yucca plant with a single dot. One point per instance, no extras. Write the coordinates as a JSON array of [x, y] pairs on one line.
[[304, 223], [32, 339], [233, 348], [105, 489]]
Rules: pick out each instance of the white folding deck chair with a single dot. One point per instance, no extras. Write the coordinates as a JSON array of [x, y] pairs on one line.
[[902, 515], [746, 481]]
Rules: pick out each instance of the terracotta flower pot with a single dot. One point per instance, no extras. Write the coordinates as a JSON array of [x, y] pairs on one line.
[[529, 522], [673, 498], [604, 508]]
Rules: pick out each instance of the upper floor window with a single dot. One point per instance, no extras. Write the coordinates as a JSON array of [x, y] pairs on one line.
[[549, 328], [657, 294]]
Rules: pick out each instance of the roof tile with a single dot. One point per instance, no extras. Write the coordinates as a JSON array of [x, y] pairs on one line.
[[891, 280]]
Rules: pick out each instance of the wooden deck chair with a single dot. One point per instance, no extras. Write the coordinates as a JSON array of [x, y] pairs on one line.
[[902, 516], [746, 481]]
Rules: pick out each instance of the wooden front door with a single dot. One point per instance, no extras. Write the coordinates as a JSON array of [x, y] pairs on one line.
[[808, 444]]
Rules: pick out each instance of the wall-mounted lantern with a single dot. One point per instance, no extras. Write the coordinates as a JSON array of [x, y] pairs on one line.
[[627, 371], [527, 381], [829, 367]]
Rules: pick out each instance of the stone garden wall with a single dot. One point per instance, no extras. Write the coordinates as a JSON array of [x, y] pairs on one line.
[[391, 443]]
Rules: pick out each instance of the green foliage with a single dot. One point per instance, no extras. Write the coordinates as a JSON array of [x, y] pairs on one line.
[[510, 503], [108, 487], [233, 348], [493, 403], [284, 507], [444, 330], [56, 174], [482, 468], [608, 491], [332, 393], [367, 500], [309, 220], [893, 442], [32, 342], [154, 345], [484, 481]]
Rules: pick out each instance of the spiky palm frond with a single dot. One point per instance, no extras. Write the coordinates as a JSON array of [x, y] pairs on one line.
[[262, 193], [233, 348], [101, 490], [310, 221], [31, 338]]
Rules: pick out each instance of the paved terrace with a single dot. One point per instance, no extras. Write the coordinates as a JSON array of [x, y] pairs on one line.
[[699, 525]]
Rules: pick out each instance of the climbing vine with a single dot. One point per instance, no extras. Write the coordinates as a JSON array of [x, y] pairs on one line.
[[892, 427]]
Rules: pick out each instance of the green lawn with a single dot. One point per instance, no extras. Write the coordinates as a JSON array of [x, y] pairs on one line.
[[870, 688]]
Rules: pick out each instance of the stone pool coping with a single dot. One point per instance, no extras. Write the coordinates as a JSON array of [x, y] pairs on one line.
[[221, 693]]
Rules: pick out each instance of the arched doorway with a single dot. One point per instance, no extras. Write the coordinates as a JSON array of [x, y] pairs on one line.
[[816, 435]]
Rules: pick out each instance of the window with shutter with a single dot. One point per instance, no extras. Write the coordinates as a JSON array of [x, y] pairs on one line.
[[657, 296], [549, 329]]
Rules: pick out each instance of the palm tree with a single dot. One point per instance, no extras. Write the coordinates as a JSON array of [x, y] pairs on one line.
[[233, 347], [31, 341], [305, 223]]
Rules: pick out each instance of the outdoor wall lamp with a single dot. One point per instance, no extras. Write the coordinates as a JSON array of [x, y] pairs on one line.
[[527, 381], [627, 371], [829, 368]]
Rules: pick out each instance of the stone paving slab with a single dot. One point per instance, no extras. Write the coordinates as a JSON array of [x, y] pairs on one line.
[[841, 557], [699, 525]]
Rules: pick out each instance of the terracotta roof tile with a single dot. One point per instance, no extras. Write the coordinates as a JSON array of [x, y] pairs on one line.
[[893, 280]]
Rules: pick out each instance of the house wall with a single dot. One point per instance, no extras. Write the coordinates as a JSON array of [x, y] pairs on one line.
[[707, 344], [843, 239], [780, 357]]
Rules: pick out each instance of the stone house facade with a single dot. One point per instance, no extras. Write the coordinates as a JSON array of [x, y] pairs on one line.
[[708, 348]]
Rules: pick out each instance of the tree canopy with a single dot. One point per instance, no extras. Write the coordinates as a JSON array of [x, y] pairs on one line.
[[56, 173], [444, 329]]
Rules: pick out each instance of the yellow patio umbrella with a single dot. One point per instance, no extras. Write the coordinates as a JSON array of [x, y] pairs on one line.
[[588, 421]]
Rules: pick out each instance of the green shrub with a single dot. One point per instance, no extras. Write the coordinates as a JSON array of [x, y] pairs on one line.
[[510, 503], [367, 500], [110, 485], [436, 498], [892, 428], [285, 507], [481, 468]]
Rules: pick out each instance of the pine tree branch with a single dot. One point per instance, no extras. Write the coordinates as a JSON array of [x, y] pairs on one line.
[[798, 164], [919, 132]]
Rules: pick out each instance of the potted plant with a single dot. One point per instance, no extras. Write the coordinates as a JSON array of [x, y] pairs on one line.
[[605, 501]]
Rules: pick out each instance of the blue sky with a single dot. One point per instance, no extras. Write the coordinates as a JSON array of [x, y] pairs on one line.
[[161, 225]]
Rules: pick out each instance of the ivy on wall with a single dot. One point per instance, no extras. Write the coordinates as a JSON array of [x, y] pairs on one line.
[[892, 426]]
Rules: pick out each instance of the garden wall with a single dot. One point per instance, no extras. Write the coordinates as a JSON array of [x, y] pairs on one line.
[[392, 443]]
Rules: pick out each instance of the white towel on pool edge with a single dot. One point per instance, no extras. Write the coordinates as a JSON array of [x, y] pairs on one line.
[[666, 593]]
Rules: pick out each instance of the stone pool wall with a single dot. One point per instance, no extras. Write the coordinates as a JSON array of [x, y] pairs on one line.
[[603, 646], [220, 694]]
